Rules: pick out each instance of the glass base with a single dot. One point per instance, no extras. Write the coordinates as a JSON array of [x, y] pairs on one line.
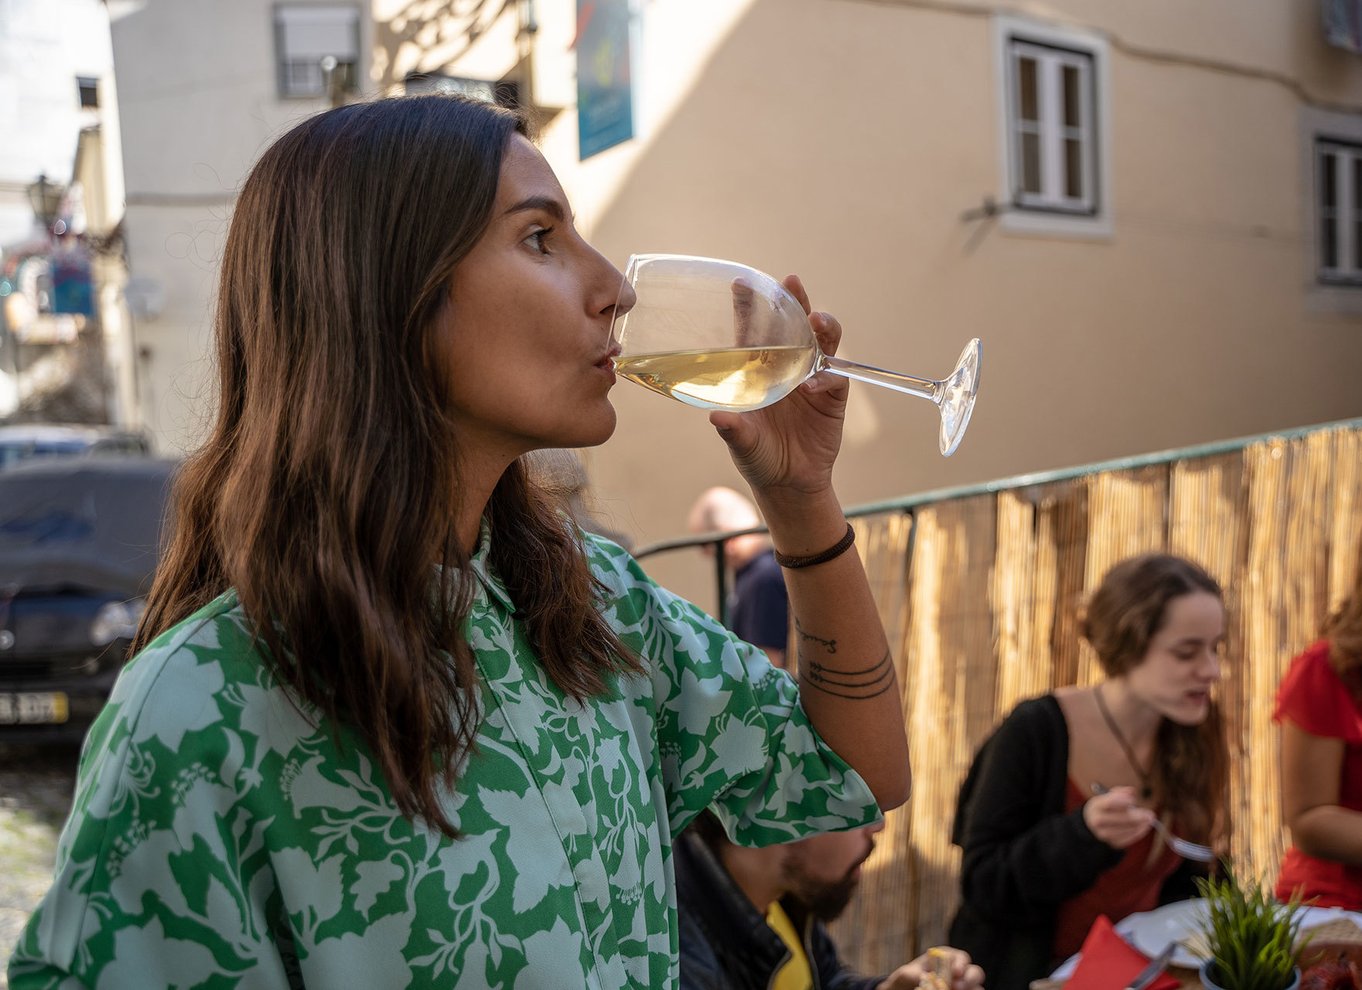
[[957, 397]]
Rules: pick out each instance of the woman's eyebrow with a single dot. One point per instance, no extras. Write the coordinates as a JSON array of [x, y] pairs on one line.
[[546, 204]]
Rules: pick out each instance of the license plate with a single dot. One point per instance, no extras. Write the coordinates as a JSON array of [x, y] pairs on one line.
[[33, 708]]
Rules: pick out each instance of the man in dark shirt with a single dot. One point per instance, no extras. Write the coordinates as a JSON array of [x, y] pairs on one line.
[[753, 918], [758, 607]]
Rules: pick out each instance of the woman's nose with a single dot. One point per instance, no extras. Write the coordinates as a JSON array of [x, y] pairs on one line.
[[625, 298]]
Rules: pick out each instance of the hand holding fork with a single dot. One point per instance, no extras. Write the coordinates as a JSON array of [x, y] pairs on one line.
[[1187, 850]]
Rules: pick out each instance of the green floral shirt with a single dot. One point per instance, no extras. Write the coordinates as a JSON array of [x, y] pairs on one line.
[[219, 837]]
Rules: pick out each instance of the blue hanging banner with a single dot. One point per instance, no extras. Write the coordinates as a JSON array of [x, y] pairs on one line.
[[605, 98], [72, 282]]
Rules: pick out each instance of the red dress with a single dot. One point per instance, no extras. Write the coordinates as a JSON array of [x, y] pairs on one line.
[[1314, 698], [1132, 885]]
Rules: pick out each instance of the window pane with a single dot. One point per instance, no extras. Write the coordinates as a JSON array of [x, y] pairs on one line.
[[312, 31], [302, 78], [1072, 96], [1026, 89], [1073, 168], [1030, 163], [87, 88], [1328, 229], [1328, 194]]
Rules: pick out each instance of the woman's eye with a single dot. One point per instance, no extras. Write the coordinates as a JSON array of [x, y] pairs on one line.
[[538, 239]]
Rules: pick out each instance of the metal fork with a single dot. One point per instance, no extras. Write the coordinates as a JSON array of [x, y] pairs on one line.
[[1184, 848]]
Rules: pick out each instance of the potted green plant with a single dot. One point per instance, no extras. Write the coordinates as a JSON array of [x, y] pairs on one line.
[[1250, 936]]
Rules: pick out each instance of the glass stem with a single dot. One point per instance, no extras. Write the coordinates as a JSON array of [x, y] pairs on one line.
[[926, 388]]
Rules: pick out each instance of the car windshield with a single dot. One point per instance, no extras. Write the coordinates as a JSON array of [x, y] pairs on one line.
[[12, 452]]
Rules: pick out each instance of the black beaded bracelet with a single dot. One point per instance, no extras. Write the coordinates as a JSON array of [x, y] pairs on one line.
[[832, 552]]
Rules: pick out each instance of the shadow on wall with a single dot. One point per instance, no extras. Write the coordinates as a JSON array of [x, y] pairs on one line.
[[409, 38]]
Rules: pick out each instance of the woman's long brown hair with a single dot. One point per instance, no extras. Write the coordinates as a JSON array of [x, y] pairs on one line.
[[327, 492], [1343, 630], [1190, 776]]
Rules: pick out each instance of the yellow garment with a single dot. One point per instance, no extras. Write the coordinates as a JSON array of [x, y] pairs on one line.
[[795, 974]]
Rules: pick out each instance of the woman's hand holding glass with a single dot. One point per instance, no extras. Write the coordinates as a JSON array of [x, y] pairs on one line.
[[791, 445]]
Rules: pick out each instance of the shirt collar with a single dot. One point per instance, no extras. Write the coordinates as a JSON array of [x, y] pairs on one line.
[[481, 566]]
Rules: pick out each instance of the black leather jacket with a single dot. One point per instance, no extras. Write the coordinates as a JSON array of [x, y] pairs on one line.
[[725, 941]]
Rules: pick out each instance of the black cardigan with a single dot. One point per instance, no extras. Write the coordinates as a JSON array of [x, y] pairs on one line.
[[1023, 855]]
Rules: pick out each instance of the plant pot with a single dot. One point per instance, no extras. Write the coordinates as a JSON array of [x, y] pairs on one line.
[[1208, 981]]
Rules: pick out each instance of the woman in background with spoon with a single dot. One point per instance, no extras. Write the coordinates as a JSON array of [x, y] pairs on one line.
[[1044, 854]]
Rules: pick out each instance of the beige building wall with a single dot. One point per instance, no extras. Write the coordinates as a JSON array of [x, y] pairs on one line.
[[98, 176], [853, 142], [198, 102], [848, 140]]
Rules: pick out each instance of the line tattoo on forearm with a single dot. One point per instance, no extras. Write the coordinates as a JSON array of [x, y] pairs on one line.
[[868, 682]]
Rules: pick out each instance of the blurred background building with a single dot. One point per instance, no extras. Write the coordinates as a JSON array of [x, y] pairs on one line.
[[64, 344], [204, 87], [1151, 213]]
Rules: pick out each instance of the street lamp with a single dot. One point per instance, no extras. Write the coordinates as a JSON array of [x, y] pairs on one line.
[[46, 198]]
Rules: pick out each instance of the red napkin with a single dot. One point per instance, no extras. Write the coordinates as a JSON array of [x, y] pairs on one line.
[[1106, 962]]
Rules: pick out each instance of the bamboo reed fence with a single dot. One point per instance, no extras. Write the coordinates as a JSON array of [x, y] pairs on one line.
[[981, 589]]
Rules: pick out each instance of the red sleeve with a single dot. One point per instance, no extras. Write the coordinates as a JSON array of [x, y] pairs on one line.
[[1313, 697]]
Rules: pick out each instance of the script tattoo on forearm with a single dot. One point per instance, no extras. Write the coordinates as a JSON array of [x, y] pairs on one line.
[[828, 644], [857, 685]]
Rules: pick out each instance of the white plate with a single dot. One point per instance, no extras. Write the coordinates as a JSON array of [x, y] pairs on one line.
[[1151, 931], [1066, 968]]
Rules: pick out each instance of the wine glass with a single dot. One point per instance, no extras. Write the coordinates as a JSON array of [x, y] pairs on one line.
[[720, 335]]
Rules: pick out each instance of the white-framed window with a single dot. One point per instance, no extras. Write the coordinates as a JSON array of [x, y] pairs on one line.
[[1055, 120], [87, 91], [1338, 208], [1330, 150], [317, 48]]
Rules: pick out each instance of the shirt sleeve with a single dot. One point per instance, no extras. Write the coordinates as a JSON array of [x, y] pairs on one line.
[[1313, 697], [730, 729]]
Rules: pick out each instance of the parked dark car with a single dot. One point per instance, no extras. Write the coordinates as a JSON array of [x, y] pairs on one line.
[[79, 542]]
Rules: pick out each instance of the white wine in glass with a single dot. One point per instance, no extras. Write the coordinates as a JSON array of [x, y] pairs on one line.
[[720, 335]]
